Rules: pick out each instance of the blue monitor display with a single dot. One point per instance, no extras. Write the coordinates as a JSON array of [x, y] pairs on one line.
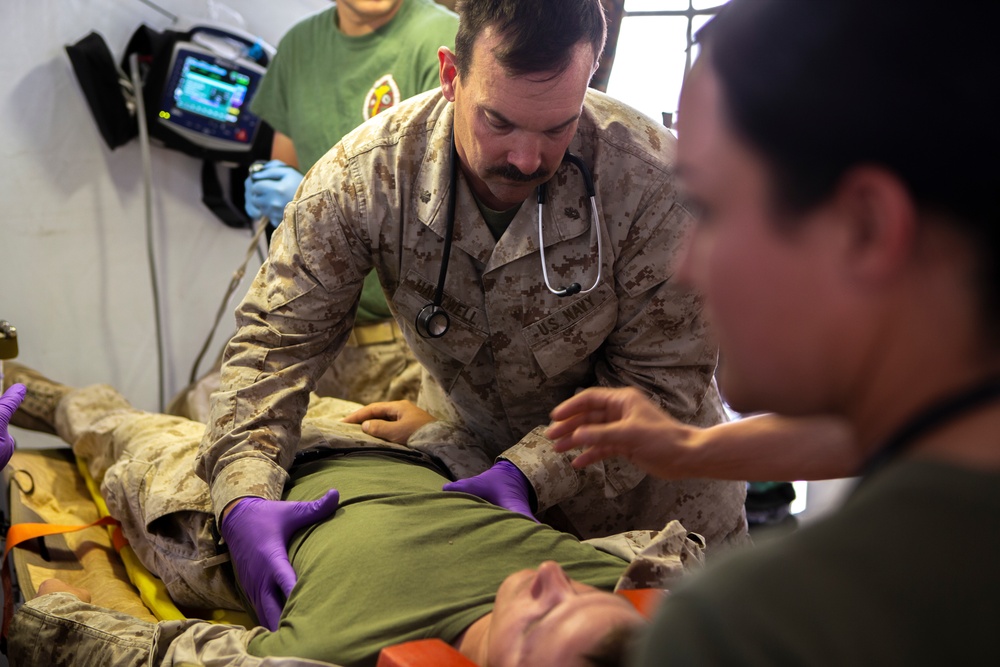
[[206, 99], [210, 90]]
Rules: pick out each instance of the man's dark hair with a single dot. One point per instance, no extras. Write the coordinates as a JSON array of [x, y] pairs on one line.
[[822, 86], [538, 35], [614, 648]]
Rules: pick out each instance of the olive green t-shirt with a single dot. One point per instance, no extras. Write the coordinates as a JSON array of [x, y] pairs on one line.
[[322, 84], [497, 221], [402, 560], [906, 573]]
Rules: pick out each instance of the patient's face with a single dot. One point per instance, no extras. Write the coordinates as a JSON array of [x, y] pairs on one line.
[[542, 617]]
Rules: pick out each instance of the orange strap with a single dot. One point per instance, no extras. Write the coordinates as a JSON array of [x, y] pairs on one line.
[[645, 600], [422, 653], [22, 532]]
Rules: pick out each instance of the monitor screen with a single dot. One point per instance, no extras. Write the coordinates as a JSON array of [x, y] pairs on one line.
[[206, 98], [210, 90]]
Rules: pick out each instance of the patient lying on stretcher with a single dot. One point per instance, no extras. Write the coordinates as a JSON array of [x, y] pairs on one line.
[[400, 559]]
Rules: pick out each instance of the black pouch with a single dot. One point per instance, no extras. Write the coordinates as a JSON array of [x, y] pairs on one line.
[[102, 85]]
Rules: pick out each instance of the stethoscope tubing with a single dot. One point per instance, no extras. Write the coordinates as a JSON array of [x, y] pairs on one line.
[[433, 321], [573, 288]]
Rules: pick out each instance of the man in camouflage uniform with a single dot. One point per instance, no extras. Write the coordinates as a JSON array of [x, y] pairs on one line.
[[514, 97]]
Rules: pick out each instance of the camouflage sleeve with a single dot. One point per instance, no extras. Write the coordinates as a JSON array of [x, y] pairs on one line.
[[553, 477], [293, 321], [457, 448], [660, 345], [655, 559]]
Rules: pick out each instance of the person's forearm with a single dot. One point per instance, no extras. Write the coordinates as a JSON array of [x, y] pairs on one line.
[[295, 318], [770, 447]]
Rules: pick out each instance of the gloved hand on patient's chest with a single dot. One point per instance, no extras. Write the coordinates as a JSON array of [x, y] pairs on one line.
[[258, 532], [502, 485], [8, 404], [269, 188]]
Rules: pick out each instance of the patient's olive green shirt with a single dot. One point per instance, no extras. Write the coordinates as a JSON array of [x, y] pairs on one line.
[[401, 560]]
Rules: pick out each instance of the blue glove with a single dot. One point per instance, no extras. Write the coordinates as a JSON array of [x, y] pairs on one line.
[[269, 189], [502, 485], [258, 532], [8, 404]]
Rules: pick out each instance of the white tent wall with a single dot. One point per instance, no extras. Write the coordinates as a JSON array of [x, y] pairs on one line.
[[74, 269]]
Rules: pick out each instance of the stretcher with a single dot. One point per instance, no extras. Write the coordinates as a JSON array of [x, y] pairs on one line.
[[47, 491]]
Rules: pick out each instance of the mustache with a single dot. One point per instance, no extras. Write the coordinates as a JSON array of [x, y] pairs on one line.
[[511, 173]]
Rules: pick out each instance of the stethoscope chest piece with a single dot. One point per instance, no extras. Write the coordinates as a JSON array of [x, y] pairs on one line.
[[432, 321]]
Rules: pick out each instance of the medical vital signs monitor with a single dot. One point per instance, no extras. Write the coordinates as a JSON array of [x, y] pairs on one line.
[[206, 98]]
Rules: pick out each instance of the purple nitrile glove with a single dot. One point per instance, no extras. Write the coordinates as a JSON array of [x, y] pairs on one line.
[[8, 404], [258, 532], [268, 189], [502, 485]]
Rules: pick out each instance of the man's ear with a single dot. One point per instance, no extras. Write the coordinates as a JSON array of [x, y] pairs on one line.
[[881, 219], [448, 72]]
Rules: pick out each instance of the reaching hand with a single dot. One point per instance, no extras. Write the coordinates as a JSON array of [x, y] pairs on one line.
[[269, 189], [258, 532], [502, 485], [619, 422], [394, 421], [8, 404]]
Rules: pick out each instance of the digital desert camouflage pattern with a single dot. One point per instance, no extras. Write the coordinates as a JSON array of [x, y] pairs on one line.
[[381, 371], [514, 350], [142, 462]]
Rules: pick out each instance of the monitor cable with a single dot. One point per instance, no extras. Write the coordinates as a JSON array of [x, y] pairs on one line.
[[147, 183], [234, 283]]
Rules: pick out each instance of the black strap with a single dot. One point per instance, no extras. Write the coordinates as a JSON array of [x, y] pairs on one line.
[[930, 418], [450, 224], [213, 196]]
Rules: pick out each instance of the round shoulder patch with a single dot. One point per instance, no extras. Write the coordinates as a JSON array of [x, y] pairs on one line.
[[384, 94]]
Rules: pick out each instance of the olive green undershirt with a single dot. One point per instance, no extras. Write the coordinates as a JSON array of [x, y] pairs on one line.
[[497, 221]]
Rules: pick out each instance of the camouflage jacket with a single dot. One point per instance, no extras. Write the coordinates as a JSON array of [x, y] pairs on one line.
[[514, 350]]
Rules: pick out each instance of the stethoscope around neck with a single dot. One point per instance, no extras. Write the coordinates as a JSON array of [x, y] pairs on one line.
[[433, 320]]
